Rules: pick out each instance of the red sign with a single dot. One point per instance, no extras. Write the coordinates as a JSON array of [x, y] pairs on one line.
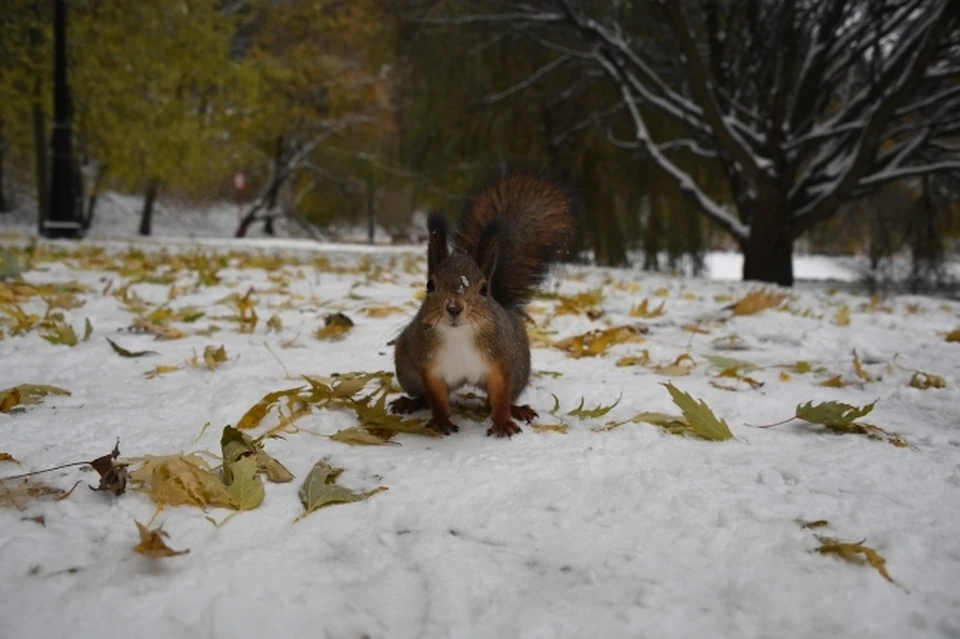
[[239, 182]]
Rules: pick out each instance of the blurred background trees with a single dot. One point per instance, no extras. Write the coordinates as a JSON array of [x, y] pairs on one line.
[[750, 125]]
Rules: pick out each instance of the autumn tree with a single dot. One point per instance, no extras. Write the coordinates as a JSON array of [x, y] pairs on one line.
[[803, 105], [323, 91], [155, 89]]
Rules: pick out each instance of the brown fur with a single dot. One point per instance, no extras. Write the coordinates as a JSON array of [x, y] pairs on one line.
[[470, 328], [530, 220]]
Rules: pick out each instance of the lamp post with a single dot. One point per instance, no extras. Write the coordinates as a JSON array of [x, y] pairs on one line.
[[65, 207]]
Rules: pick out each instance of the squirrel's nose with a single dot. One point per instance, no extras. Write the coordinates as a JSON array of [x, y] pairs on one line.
[[454, 308]]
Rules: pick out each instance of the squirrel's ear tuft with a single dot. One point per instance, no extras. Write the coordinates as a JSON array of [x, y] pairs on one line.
[[488, 248], [437, 249]]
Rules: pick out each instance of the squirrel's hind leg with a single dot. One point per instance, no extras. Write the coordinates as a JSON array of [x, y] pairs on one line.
[[406, 405]]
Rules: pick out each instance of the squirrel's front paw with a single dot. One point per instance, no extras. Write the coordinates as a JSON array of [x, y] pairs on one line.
[[504, 429], [523, 413], [442, 426]]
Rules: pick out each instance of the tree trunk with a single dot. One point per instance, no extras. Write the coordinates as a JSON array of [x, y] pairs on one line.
[[146, 218], [768, 252], [268, 226], [42, 165], [371, 213], [269, 199], [94, 197], [5, 206]]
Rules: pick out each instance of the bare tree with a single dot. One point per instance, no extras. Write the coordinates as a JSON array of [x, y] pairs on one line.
[[803, 104]]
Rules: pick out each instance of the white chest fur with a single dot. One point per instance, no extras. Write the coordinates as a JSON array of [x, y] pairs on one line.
[[458, 360]]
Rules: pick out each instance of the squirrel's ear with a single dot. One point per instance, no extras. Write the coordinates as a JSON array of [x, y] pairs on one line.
[[488, 249], [437, 249]]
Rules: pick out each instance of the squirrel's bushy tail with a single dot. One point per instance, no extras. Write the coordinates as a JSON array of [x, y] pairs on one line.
[[531, 219]]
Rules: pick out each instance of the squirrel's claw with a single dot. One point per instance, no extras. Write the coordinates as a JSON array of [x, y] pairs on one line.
[[504, 429], [523, 413], [406, 405], [442, 426]]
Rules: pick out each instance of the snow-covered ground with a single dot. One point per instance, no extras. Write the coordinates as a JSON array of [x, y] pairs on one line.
[[627, 532]]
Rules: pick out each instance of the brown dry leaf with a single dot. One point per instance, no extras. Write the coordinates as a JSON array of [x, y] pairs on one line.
[[678, 368], [384, 311], [7, 457], [919, 380], [9, 399], [757, 301], [158, 330], [598, 342], [842, 318], [834, 382], [16, 493], [734, 373], [152, 544], [113, 477], [861, 372], [694, 328], [256, 413], [355, 436], [635, 360], [784, 376], [550, 428], [274, 324], [952, 336], [335, 326], [161, 369], [214, 356], [579, 304], [642, 310], [181, 480], [852, 552]]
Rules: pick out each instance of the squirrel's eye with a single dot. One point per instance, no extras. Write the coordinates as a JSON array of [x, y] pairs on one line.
[[483, 289], [430, 285]]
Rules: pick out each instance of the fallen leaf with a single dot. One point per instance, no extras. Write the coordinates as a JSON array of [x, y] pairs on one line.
[[834, 382], [122, 352], [550, 428], [152, 544], [113, 477], [256, 413], [635, 360], [842, 317], [704, 423], [319, 489], [244, 485], [757, 301], [598, 342], [62, 334], [16, 493], [727, 363], [335, 326], [852, 552], [161, 369], [7, 457], [861, 372], [920, 380], [954, 335], [599, 411], [355, 436], [643, 310], [9, 399], [214, 356], [832, 413]]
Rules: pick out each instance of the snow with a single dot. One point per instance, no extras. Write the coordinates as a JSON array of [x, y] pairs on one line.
[[625, 533]]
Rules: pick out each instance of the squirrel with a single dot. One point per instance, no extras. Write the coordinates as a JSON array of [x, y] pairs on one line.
[[470, 328]]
